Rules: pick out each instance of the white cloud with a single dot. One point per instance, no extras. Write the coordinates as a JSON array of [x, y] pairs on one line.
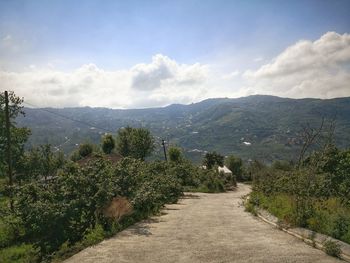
[[161, 82], [231, 75], [307, 69], [163, 72], [318, 68]]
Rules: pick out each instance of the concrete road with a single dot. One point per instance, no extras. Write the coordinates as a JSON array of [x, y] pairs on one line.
[[203, 228]]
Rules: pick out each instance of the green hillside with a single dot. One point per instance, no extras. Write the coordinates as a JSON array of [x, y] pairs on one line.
[[262, 127]]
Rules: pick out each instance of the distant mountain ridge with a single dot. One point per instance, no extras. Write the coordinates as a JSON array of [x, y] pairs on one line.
[[258, 126]]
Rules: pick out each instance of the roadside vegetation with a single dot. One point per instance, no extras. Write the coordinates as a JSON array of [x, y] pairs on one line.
[[312, 193], [58, 205]]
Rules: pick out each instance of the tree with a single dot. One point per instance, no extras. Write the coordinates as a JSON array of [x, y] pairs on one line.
[[142, 143], [235, 164], [39, 163], [175, 154], [135, 142], [85, 149], [213, 158], [108, 144], [19, 136], [124, 140]]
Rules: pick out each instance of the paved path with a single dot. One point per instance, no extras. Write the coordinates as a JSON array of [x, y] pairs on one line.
[[203, 228]]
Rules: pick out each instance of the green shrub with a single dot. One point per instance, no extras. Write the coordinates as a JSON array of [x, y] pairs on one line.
[[282, 206], [332, 248], [235, 164], [175, 154], [85, 149], [250, 207], [18, 254], [314, 194], [108, 143], [210, 182], [341, 226], [330, 217], [346, 237], [65, 215], [11, 230], [186, 172], [94, 236]]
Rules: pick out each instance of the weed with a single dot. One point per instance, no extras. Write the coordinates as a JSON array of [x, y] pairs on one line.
[[249, 207], [332, 248]]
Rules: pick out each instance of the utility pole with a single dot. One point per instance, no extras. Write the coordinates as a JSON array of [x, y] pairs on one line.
[[163, 143], [8, 136]]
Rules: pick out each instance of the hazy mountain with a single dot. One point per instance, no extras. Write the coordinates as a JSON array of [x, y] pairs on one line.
[[264, 127]]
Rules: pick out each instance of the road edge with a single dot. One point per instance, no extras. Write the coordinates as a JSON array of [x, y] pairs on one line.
[[310, 237]]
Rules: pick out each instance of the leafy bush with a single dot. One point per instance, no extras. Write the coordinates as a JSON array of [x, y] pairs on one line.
[[332, 248], [186, 172], [210, 182], [235, 164], [213, 158], [94, 235], [85, 149], [108, 143], [67, 213], [11, 230], [18, 254], [175, 154], [312, 195]]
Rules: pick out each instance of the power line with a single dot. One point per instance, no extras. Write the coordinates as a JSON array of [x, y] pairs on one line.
[[68, 118]]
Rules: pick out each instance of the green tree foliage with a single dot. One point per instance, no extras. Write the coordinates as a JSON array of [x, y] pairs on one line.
[[135, 142], [213, 158], [124, 141], [19, 136], [39, 163], [188, 174], [66, 208], [175, 154], [108, 143], [235, 164], [282, 165], [85, 149]]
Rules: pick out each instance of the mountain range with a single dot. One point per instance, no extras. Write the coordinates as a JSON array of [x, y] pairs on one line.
[[254, 127]]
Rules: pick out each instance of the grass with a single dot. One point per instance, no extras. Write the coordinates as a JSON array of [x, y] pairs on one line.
[[329, 217], [249, 207], [18, 254]]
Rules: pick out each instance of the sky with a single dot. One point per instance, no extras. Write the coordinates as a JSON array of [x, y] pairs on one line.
[[139, 54]]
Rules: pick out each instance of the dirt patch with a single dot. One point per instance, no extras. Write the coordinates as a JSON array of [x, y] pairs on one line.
[[117, 208]]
